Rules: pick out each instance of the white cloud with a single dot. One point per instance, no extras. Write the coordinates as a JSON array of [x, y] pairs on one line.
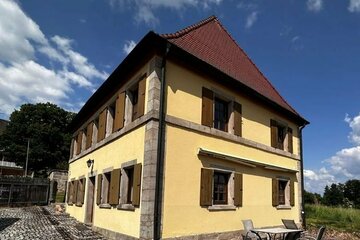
[[354, 124], [314, 5], [129, 46], [344, 165], [251, 19], [145, 8], [22, 78], [294, 39], [354, 6]]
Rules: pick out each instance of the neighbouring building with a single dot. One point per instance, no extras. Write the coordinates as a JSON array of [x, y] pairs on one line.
[[3, 124], [185, 138]]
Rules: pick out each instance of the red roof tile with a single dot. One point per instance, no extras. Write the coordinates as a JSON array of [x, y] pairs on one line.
[[209, 41]]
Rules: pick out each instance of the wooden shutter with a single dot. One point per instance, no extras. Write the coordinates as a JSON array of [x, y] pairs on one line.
[[136, 185], [237, 119], [89, 133], [78, 143], [83, 185], [98, 189], [207, 107], [290, 140], [206, 187], [238, 189], [75, 192], [69, 192], [115, 186], [119, 112], [102, 125], [274, 133], [141, 98], [275, 192], [292, 193]]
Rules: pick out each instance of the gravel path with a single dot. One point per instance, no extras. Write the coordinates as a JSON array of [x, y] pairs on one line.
[[42, 223]]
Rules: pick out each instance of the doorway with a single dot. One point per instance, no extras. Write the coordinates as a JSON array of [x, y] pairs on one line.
[[89, 214]]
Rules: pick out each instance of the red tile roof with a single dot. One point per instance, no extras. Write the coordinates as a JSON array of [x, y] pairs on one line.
[[209, 41]]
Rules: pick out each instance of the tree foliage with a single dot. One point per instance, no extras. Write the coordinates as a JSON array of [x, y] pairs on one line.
[[46, 127]]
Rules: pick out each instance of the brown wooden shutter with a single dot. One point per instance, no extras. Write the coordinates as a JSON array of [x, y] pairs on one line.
[[237, 119], [274, 133], [69, 192], [75, 192], [238, 189], [98, 189], [119, 112], [136, 185], [290, 140], [206, 187], [292, 193], [207, 107], [115, 186], [83, 185], [78, 143], [275, 192], [102, 125], [141, 98], [89, 133]]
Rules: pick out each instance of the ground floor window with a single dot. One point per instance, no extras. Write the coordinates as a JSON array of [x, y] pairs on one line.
[[220, 188], [283, 192]]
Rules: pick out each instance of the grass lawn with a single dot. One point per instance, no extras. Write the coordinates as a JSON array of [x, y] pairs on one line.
[[341, 219]]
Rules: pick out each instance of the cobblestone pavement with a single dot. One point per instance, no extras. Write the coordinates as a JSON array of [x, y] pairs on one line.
[[31, 223]]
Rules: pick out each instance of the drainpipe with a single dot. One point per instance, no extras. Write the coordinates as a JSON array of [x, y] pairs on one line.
[[303, 215], [160, 151]]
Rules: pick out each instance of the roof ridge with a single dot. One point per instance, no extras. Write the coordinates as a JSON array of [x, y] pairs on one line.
[[189, 28]]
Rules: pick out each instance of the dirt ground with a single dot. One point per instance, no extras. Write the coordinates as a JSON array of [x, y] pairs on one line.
[[331, 234]]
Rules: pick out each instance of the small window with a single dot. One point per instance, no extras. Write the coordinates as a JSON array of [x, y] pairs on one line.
[[134, 100], [220, 188], [281, 136], [283, 192], [111, 117], [130, 186], [106, 187], [221, 114], [96, 128]]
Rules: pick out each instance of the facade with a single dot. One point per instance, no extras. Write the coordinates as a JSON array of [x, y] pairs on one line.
[[185, 138]]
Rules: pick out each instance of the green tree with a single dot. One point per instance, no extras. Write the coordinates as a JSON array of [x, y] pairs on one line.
[[352, 192], [334, 195], [45, 125]]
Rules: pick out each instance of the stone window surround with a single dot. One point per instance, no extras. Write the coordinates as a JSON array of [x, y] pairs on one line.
[[287, 193], [81, 182], [230, 205], [123, 205], [105, 185]]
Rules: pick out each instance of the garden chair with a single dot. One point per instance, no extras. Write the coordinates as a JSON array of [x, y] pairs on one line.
[[290, 224], [319, 235], [248, 235]]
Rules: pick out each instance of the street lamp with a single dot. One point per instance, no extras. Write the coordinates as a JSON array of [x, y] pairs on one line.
[[89, 162]]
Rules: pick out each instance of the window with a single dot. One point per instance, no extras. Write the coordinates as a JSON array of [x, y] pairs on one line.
[[106, 188], [137, 98], [130, 185], [221, 114], [281, 136], [220, 188], [110, 119], [80, 192], [283, 192]]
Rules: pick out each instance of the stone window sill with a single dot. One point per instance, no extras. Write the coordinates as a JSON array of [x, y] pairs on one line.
[[105, 205], [221, 207], [70, 204], [283, 207], [127, 207], [78, 204]]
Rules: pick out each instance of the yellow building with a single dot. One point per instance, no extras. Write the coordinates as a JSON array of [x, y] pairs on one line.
[[185, 138]]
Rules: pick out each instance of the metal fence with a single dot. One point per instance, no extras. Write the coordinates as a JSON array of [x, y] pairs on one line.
[[23, 191]]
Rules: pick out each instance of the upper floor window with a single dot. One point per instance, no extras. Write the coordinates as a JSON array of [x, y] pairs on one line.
[[217, 112], [281, 136], [221, 114]]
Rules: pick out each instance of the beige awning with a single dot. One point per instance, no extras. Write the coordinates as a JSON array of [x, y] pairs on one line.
[[241, 160]]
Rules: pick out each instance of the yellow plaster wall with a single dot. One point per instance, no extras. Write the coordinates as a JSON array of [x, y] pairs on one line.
[[124, 149], [183, 214], [184, 94]]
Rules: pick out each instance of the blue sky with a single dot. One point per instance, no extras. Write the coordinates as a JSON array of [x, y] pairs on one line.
[[61, 51]]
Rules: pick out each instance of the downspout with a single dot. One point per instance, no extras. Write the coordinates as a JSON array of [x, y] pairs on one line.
[[160, 150], [303, 215]]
